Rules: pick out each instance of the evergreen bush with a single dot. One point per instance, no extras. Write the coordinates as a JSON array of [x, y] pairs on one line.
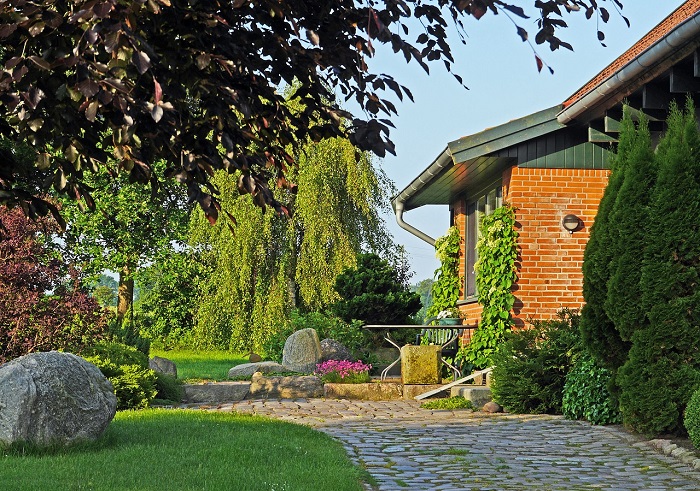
[[168, 388], [663, 367], [627, 244], [691, 420], [586, 395], [127, 369], [531, 365], [598, 331], [373, 293]]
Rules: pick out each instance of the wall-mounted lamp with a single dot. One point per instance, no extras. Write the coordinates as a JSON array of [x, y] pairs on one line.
[[571, 223]]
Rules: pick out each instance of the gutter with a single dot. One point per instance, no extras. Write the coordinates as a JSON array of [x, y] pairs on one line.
[[673, 42], [399, 202]]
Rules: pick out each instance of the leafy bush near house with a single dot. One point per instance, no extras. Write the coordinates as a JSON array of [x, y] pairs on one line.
[[586, 395], [691, 419], [457, 402], [127, 369], [531, 365]]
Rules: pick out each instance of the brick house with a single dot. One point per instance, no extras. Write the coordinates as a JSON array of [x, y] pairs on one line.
[[553, 167]]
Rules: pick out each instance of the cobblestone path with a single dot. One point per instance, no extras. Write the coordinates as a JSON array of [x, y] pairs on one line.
[[408, 448]]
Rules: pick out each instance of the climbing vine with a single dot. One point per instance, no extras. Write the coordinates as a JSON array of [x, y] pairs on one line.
[[495, 275], [445, 290]]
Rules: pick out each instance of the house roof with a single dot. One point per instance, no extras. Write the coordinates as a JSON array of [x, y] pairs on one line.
[[467, 162], [679, 16]]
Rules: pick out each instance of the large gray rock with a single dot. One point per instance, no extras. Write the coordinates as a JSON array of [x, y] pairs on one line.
[[302, 351], [163, 365], [295, 387], [248, 369], [334, 350], [53, 398]]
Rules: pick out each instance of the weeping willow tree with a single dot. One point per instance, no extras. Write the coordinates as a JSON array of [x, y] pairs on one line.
[[267, 265]]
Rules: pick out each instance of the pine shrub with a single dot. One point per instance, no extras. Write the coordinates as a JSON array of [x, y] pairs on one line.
[[691, 420], [531, 365], [663, 367], [372, 292], [598, 331]]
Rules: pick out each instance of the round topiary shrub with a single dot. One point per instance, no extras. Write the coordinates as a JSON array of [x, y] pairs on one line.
[[691, 420], [586, 395]]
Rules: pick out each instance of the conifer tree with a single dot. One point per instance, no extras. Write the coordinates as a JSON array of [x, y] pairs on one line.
[[597, 329], [664, 361], [628, 216]]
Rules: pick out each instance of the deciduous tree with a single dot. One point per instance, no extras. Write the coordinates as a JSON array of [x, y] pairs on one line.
[[38, 311], [195, 83]]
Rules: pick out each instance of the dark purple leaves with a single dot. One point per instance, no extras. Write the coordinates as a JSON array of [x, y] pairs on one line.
[[141, 61]]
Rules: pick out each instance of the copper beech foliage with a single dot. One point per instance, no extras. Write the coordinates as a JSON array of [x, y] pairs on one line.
[[195, 82], [38, 312]]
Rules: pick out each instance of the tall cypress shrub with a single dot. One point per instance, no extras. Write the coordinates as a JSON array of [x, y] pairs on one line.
[[663, 367], [629, 214], [597, 329]]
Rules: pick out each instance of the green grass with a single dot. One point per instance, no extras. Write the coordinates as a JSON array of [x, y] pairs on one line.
[[457, 402], [202, 365], [185, 450]]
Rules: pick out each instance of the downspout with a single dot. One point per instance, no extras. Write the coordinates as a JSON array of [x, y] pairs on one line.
[[443, 160], [413, 230], [667, 46]]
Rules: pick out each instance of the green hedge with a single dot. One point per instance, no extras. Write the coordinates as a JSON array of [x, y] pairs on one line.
[[692, 418]]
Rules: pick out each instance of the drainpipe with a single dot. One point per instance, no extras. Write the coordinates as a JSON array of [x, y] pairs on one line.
[[398, 206], [680, 37]]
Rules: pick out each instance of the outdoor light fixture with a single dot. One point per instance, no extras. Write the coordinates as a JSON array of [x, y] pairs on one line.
[[571, 223]]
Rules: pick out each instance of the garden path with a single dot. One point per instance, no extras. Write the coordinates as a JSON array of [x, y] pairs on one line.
[[406, 447]]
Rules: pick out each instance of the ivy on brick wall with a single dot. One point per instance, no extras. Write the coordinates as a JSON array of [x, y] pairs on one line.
[[445, 290], [495, 275]]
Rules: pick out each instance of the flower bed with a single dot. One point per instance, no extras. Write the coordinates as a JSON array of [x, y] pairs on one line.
[[343, 371]]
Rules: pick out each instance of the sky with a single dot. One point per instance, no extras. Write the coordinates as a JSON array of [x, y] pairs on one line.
[[504, 84]]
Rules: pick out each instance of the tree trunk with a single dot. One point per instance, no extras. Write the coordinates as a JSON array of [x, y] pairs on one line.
[[126, 293]]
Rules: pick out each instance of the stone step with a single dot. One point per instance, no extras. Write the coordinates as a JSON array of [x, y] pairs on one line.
[[216, 391], [478, 394], [288, 388]]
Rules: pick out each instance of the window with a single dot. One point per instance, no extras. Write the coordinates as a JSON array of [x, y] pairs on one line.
[[485, 203]]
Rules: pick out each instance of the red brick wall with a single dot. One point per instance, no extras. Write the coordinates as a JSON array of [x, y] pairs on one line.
[[550, 258]]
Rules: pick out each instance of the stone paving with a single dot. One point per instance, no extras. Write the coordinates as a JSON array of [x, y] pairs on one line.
[[406, 447]]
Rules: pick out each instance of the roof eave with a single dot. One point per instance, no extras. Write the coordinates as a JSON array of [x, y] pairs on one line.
[[659, 57]]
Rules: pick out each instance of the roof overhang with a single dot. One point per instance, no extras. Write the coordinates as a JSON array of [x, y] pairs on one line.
[[471, 163], [662, 54]]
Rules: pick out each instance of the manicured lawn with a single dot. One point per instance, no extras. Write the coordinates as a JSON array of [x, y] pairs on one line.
[[198, 365], [188, 450]]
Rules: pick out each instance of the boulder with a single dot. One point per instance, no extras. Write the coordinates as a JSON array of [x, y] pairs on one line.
[[163, 365], [53, 398], [302, 351], [248, 369], [294, 387], [492, 407], [334, 350], [254, 358]]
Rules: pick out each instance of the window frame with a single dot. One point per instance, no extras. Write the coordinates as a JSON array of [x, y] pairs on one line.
[[478, 204]]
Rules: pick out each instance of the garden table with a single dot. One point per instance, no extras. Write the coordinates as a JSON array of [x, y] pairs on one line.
[[387, 329]]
